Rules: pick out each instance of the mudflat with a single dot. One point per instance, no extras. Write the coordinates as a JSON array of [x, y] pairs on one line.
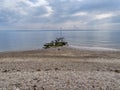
[[63, 68]]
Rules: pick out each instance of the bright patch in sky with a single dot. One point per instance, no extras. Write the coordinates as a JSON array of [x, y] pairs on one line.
[[103, 16], [56, 14], [80, 14]]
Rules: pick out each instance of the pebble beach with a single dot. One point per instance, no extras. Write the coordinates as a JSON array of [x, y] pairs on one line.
[[63, 68]]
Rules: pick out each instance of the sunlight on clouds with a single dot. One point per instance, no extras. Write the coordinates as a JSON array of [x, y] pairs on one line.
[[103, 16], [27, 6], [37, 3], [80, 14], [80, 0], [49, 11], [71, 0], [76, 0], [41, 3]]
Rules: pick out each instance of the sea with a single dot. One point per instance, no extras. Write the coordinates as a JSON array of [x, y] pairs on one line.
[[22, 40]]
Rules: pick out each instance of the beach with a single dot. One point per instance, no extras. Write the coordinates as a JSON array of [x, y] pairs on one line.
[[63, 68]]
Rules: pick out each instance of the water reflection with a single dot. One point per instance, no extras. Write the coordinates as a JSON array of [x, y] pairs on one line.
[[26, 40]]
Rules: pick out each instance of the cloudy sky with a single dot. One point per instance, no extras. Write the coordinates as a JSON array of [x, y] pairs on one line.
[[59, 14]]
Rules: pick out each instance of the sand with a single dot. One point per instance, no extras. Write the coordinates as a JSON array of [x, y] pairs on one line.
[[62, 68]]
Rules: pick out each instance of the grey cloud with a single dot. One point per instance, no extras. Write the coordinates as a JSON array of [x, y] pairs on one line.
[[63, 11], [8, 17], [116, 19]]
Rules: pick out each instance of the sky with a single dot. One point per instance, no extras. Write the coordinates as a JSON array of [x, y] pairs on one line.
[[59, 14]]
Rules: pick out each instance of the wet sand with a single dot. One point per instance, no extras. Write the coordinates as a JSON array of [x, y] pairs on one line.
[[60, 69]]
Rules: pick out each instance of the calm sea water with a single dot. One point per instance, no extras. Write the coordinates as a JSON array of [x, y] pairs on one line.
[[14, 40]]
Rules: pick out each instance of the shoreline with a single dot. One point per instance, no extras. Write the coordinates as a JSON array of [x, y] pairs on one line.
[[81, 48], [62, 52], [94, 48], [67, 51]]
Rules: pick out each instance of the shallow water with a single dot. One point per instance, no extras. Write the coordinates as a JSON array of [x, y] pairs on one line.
[[14, 40]]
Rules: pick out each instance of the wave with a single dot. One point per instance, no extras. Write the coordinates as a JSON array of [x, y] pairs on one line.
[[94, 48]]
